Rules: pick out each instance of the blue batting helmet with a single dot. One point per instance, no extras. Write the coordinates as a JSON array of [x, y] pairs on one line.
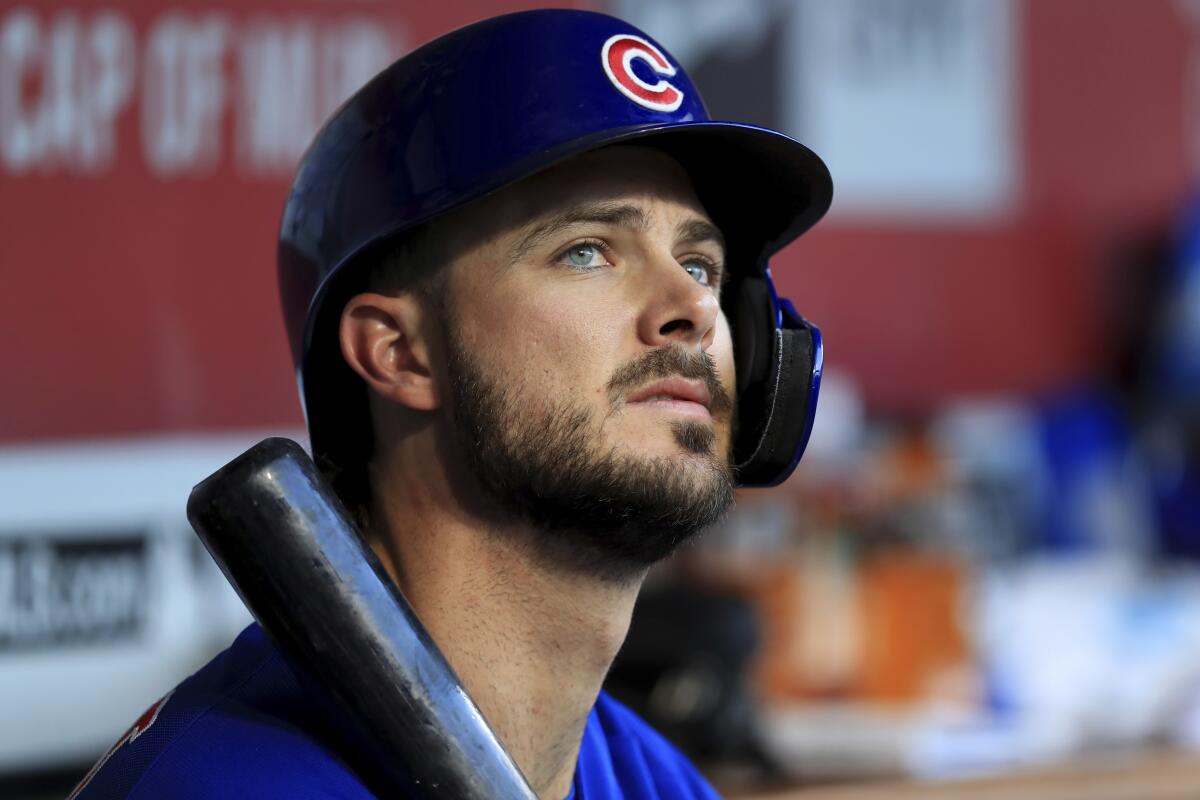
[[499, 100]]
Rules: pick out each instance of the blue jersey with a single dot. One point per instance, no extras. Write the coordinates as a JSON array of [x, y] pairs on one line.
[[242, 727]]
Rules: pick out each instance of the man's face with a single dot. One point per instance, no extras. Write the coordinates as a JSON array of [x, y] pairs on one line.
[[590, 368]]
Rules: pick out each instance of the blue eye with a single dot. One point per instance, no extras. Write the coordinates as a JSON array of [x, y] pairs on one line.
[[698, 270], [584, 255]]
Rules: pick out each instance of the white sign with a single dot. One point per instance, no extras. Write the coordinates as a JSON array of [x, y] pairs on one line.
[[912, 104]]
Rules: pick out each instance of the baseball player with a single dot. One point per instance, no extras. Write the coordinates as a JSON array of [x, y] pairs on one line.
[[525, 281]]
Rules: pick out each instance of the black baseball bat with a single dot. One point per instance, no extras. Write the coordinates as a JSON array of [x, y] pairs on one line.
[[286, 544]]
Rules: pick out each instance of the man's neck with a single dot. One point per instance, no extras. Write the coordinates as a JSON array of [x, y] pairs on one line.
[[530, 642]]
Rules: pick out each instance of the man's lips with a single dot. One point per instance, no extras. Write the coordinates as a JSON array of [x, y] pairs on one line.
[[683, 395]]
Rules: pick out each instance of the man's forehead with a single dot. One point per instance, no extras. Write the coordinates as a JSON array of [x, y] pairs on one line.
[[619, 171], [620, 175]]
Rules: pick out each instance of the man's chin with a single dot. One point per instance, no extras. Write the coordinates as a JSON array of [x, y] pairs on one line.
[[622, 512]]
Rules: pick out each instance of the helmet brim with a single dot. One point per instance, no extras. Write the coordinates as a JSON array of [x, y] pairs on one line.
[[762, 188]]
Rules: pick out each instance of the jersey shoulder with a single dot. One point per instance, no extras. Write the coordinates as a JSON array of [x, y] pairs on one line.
[[621, 756], [240, 727]]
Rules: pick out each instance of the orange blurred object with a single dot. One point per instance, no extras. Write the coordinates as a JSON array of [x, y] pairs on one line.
[[884, 630], [911, 624]]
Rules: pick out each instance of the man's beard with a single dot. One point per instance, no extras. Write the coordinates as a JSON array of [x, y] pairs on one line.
[[600, 511]]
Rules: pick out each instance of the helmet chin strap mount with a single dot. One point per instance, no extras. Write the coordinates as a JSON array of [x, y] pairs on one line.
[[779, 359]]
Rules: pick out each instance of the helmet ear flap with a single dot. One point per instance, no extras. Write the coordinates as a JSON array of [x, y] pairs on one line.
[[752, 323], [779, 376]]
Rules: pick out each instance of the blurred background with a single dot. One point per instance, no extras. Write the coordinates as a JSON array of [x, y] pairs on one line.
[[989, 562]]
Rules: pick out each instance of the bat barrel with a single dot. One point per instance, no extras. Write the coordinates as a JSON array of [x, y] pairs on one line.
[[285, 542]]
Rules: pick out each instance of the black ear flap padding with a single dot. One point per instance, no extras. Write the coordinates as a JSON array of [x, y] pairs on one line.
[[753, 329], [751, 321], [782, 413]]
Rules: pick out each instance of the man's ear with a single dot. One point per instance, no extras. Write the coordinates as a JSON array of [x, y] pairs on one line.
[[385, 339]]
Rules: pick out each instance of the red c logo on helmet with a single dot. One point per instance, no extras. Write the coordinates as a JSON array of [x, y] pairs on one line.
[[617, 57]]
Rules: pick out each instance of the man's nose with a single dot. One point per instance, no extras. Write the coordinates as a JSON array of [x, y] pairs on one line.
[[678, 309]]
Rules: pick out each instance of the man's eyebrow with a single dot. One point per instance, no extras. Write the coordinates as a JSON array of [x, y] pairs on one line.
[[629, 216], [700, 230]]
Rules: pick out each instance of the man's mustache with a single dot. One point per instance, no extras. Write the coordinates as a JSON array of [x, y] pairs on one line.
[[668, 362]]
